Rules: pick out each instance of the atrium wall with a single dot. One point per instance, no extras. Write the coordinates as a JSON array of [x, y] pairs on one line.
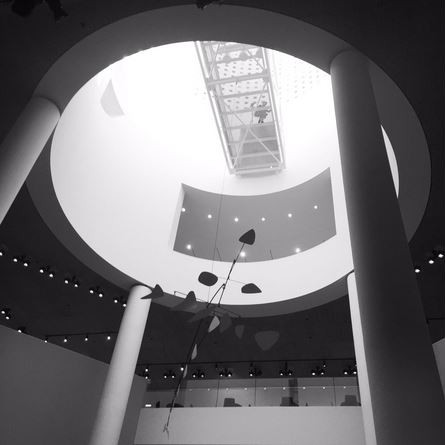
[[49, 395]]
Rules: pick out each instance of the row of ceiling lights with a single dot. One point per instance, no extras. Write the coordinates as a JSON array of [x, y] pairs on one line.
[[285, 371], [242, 253], [72, 280], [49, 272], [436, 254], [107, 336], [236, 218]]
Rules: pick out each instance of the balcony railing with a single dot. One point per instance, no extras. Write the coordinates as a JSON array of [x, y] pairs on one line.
[[311, 391]]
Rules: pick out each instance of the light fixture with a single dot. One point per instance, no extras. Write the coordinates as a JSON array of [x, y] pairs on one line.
[[66, 281], [440, 255], [86, 338], [225, 373], [350, 370], [188, 247], [108, 337], [286, 371], [183, 210], [289, 215], [254, 371], [169, 374], [115, 300], [318, 371], [100, 294], [315, 207], [297, 250], [15, 260], [236, 219], [417, 269], [46, 339], [21, 330], [198, 374], [65, 339], [91, 290], [182, 368], [42, 270], [431, 260], [263, 219], [2, 252], [209, 216], [242, 254], [6, 312], [51, 274]]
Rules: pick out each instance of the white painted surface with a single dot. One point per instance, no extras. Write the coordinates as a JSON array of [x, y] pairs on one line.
[[22, 146], [439, 352], [113, 404], [186, 23], [121, 179], [259, 426], [362, 368]]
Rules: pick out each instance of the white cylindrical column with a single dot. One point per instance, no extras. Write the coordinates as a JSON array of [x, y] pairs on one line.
[[22, 146], [394, 347], [112, 407]]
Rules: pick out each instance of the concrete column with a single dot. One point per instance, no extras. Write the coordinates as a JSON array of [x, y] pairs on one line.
[[22, 146], [394, 347], [112, 407]]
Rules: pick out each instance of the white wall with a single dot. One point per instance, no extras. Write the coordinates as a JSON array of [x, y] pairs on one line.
[[49, 395], [259, 426], [439, 352]]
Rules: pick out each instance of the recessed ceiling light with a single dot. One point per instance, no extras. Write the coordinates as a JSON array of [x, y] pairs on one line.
[[431, 261], [315, 207], [417, 269], [108, 337], [263, 218], [42, 270], [101, 294], [51, 275], [66, 281], [440, 255], [65, 340], [242, 254], [209, 216], [15, 260], [236, 219], [25, 263], [188, 247], [297, 250], [289, 215], [183, 210]]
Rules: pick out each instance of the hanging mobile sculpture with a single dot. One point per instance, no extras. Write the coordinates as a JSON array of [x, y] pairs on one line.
[[224, 322]]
